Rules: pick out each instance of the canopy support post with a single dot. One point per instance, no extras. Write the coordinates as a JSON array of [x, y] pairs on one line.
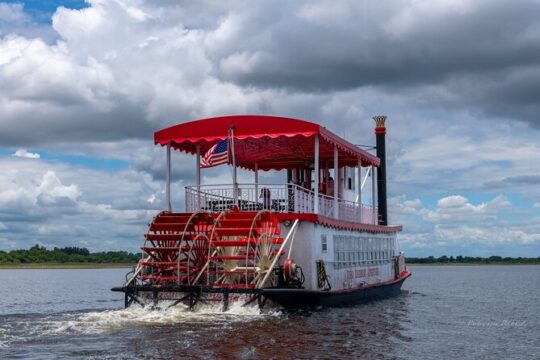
[[336, 182], [359, 179], [256, 183], [317, 176], [168, 176], [235, 183], [198, 176], [373, 210], [341, 182]]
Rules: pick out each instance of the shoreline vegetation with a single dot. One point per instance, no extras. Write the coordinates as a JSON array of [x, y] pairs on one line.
[[39, 257], [51, 265], [469, 260]]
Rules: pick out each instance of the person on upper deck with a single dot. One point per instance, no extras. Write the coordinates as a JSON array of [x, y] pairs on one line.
[[330, 186]]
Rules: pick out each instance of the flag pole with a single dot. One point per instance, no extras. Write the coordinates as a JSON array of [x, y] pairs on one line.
[[235, 184]]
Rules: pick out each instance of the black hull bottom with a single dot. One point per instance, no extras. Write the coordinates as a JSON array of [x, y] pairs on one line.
[[288, 298], [299, 298]]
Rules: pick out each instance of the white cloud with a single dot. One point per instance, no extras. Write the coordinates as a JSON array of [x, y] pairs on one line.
[[324, 14], [457, 209], [452, 201], [7, 244], [401, 207], [40, 192], [13, 19], [52, 191], [62, 230], [23, 153], [12, 13], [456, 226], [236, 63], [37, 72], [491, 236], [57, 204], [157, 63], [407, 20], [416, 203]]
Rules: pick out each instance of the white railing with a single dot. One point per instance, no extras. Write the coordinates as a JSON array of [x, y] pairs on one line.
[[216, 198], [283, 198], [326, 205]]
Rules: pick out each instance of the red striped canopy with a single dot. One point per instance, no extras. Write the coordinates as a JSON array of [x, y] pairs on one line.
[[272, 142]]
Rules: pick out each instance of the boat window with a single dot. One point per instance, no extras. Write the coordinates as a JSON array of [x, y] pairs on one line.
[[324, 244], [350, 251]]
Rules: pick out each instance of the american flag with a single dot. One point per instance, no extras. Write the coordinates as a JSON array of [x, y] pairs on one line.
[[217, 155]]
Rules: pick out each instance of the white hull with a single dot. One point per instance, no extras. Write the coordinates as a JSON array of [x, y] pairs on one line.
[[351, 258]]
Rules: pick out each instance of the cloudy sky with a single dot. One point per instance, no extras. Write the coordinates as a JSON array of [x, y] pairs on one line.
[[83, 85]]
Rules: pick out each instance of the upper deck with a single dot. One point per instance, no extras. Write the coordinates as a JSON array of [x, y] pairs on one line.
[[278, 198]]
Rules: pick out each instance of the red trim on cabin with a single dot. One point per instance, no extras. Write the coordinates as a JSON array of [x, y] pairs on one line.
[[339, 224]]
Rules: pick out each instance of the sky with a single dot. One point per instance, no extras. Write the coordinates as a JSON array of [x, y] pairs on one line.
[[83, 86]]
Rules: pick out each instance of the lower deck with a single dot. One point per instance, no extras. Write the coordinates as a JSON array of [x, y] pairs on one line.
[[337, 258]]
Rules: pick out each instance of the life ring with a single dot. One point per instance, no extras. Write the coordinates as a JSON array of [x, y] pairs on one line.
[[289, 270]]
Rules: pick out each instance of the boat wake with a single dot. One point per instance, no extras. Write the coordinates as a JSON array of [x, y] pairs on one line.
[[138, 316], [19, 329]]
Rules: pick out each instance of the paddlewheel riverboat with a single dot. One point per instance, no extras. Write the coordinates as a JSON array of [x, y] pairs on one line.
[[313, 240]]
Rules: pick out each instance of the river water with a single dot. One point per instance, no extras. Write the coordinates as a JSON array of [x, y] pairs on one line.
[[465, 312]]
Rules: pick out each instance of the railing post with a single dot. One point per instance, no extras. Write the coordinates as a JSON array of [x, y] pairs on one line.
[[373, 216], [235, 183], [336, 182], [168, 176], [360, 189], [198, 176], [256, 200], [317, 175], [296, 198], [186, 197]]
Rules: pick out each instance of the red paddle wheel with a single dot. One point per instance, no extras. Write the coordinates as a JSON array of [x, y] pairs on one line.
[[176, 248], [243, 250]]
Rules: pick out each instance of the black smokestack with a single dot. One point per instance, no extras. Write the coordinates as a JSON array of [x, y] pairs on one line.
[[380, 133]]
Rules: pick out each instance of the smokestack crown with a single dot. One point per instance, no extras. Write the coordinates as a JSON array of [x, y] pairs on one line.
[[379, 122]]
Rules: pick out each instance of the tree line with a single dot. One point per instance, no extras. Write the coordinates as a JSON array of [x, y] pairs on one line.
[[73, 254], [472, 260], [70, 254]]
